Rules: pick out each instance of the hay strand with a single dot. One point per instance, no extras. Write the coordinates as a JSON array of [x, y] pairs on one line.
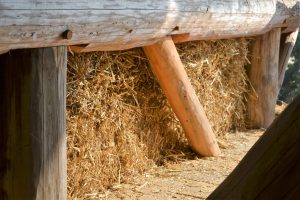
[[120, 124]]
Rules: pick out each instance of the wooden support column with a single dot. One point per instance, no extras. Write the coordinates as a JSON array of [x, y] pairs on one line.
[[263, 76], [270, 170], [2, 51], [172, 77], [286, 48], [32, 124]]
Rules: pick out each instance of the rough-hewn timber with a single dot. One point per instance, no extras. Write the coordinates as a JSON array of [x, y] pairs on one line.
[[113, 24], [263, 75], [32, 124], [169, 70], [270, 170]]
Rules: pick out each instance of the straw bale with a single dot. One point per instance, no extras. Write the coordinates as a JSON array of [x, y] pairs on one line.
[[217, 72], [119, 122]]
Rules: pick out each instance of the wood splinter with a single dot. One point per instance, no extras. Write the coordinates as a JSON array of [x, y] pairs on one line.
[[172, 77]]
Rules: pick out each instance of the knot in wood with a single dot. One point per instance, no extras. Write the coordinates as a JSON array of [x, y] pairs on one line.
[[67, 34]]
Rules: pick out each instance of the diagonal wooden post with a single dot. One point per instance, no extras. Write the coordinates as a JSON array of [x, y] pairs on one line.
[[270, 170], [173, 79]]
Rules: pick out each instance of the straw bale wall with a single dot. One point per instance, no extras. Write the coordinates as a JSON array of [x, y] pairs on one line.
[[120, 123]]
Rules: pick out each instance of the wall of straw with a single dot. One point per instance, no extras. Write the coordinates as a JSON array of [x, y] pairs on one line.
[[120, 124]]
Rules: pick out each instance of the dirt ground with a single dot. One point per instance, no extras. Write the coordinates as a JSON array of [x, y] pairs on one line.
[[187, 179]]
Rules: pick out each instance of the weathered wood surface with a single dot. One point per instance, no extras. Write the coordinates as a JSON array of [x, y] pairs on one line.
[[270, 170], [263, 76], [288, 41], [112, 23], [172, 77], [32, 124]]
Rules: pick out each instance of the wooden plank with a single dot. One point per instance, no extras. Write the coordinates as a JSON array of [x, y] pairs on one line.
[[177, 5], [286, 48], [172, 77], [110, 47], [3, 51], [31, 24], [33, 117], [263, 76], [270, 170]]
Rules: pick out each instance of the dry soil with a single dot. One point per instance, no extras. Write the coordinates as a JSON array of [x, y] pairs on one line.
[[187, 179]]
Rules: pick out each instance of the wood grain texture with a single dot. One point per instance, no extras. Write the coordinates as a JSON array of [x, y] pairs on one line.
[[286, 47], [15, 145], [112, 23], [172, 77], [3, 51], [263, 76], [187, 5], [33, 124], [270, 170]]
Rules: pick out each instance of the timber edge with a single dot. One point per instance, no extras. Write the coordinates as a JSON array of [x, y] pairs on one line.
[[106, 26]]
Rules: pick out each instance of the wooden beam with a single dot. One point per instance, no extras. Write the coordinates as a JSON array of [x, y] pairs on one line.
[[270, 170], [263, 75], [177, 38], [32, 124], [112, 24], [110, 47], [3, 51], [173, 79], [286, 48]]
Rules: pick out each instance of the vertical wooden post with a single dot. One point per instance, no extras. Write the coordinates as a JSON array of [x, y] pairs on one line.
[[263, 76], [33, 122], [172, 77], [286, 48]]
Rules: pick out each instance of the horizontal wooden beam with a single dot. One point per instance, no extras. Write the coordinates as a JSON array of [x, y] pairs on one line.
[[107, 25], [177, 38], [172, 77], [110, 47], [3, 51]]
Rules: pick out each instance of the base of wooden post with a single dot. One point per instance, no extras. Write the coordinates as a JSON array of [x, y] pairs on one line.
[[32, 124]]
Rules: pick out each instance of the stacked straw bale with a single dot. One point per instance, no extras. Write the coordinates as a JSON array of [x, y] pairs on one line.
[[120, 123]]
